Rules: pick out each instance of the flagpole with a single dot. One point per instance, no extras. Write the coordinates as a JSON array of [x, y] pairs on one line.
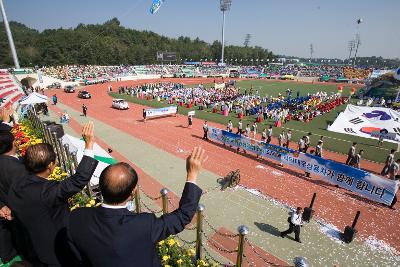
[[9, 36]]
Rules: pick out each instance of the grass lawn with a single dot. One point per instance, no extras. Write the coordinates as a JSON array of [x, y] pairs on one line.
[[333, 141]]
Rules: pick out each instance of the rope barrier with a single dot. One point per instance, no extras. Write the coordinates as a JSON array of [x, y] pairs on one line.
[[152, 198], [247, 261], [217, 232], [209, 257], [194, 227], [258, 254], [172, 204], [149, 209], [185, 242], [221, 248]]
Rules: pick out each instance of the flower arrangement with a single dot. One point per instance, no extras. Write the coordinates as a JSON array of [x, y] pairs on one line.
[[24, 137], [172, 254]]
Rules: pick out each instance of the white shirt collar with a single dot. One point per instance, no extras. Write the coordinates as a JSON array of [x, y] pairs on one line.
[[104, 205]]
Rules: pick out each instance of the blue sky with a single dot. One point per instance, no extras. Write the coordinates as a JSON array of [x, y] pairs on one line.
[[285, 27]]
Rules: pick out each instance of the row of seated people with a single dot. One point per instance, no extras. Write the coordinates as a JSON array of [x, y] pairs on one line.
[[37, 223]]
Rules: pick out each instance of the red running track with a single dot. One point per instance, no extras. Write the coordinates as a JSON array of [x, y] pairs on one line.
[[286, 184]]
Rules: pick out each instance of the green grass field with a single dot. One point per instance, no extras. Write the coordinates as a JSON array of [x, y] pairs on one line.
[[333, 141]]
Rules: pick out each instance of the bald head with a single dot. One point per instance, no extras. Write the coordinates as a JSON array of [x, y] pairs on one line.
[[117, 182]]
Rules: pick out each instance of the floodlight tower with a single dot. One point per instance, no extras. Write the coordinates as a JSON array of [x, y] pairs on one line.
[[351, 47], [247, 40], [311, 51], [357, 44], [9, 35], [358, 40], [225, 5]]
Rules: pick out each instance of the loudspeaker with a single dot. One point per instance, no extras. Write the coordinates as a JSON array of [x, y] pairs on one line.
[[307, 214], [349, 234], [57, 128]]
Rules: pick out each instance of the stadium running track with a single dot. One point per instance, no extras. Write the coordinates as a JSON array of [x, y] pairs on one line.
[[285, 184]]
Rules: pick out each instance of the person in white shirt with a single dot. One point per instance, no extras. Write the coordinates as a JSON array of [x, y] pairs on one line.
[[269, 134], [281, 139], [318, 149], [307, 142], [254, 130], [264, 135], [205, 130], [288, 138], [247, 131], [394, 169], [240, 127], [229, 127], [351, 153], [295, 222], [301, 144], [388, 162]]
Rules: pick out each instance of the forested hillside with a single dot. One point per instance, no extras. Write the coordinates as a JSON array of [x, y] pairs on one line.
[[109, 44]]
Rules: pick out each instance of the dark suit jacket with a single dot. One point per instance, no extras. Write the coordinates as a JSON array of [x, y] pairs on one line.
[[11, 170], [118, 237], [41, 206], [5, 127]]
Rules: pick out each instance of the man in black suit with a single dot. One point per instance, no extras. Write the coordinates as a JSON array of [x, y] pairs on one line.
[[40, 205], [110, 235], [11, 169]]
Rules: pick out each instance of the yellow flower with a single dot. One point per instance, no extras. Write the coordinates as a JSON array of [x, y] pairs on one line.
[[171, 242], [202, 263], [166, 265], [179, 261], [161, 242], [191, 252], [165, 258], [92, 202], [88, 205]]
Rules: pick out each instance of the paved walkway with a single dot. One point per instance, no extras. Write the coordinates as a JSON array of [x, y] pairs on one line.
[[265, 217]]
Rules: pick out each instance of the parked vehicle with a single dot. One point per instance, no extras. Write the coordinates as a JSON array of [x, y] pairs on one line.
[[55, 85], [120, 104], [84, 94], [69, 89]]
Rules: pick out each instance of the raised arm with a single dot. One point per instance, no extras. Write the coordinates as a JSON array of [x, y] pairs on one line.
[[174, 222], [75, 183]]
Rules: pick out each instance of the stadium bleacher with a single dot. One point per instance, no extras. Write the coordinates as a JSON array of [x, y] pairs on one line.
[[10, 90]]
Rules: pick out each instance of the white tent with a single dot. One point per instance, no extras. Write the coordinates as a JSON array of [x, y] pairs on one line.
[[77, 146], [33, 98]]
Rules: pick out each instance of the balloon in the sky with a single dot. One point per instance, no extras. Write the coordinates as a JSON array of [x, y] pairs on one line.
[[359, 21], [155, 6]]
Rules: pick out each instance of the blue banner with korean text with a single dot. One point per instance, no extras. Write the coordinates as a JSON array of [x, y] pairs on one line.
[[359, 181], [250, 145], [369, 185]]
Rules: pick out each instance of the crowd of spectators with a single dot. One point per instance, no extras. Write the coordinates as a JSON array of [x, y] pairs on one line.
[[356, 73], [84, 72], [304, 70]]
